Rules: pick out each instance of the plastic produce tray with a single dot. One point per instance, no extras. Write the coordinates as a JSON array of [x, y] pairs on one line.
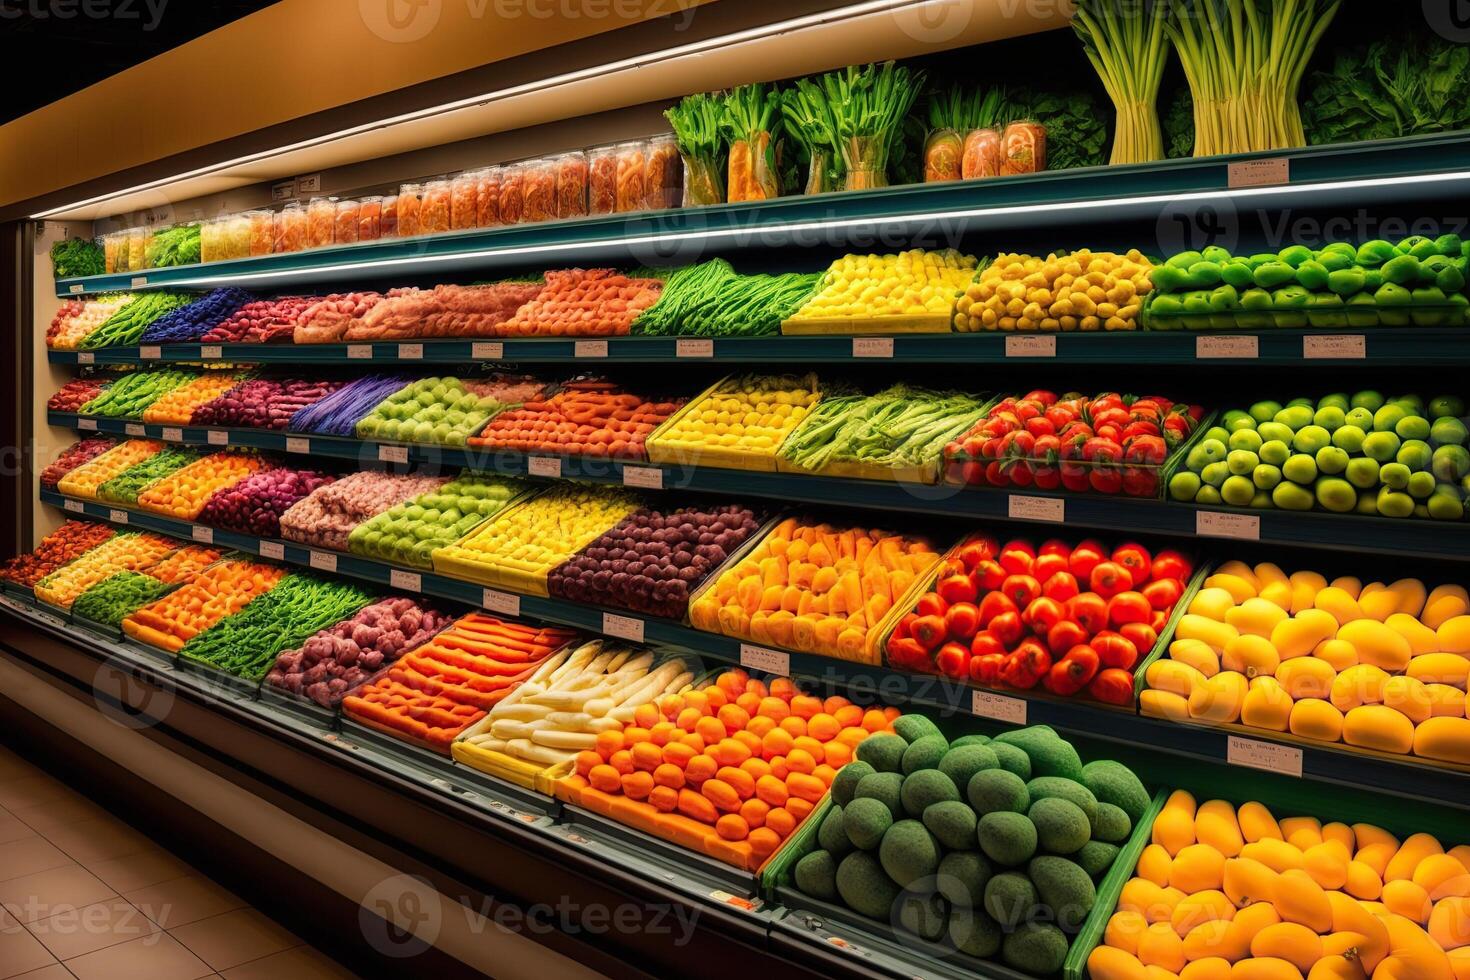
[[717, 456], [303, 709], [863, 326]]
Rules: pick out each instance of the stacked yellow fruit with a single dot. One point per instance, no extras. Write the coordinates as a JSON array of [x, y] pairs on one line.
[[519, 549], [912, 283], [85, 479], [1378, 666], [121, 553], [742, 421], [176, 407], [1062, 292], [1227, 894]]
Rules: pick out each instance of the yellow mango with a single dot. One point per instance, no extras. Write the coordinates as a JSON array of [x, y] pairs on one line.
[[1306, 677], [1377, 644], [1123, 930], [1408, 697], [1367, 834], [1374, 726], [1449, 923], [1247, 881], [1445, 701], [1196, 654], [1173, 676], [1268, 572], [1201, 907], [1376, 857], [1459, 962], [1215, 824], [1442, 876], [1411, 596], [1146, 898], [1213, 634], [1304, 589], [1278, 594], [1256, 823], [1405, 898], [1161, 946], [1255, 617], [1239, 589], [1413, 850], [1163, 704], [1342, 943], [1446, 739], [1288, 941], [1212, 604], [1154, 864], [1219, 699], [1302, 832], [1206, 940], [1264, 968], [1299, 635], [1341, 833], [1209, 968], [1347, 583], [1274, 853], [1454, 634], [1174, 826], [1336, 967], [1350, 915], [1413, 955], [1363, 882], [1339, 654], [1250, 654], [1421, 638], [1248, 921], [1358, 686], [1461, 853], [1440, 668], [1327, 863], [1315, 718], [1240, 570], [1266, 706], [1339, 604], [1445, 602], [1377, 601], [1300, 899], [1198, 868], [1111, 963]]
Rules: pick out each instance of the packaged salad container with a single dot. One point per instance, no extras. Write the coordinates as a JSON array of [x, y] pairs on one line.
[[388, 217], [344, 222], [410, 206], [262, 231], [321, 216], [981, 156], [602, 179], [289, 228], [487, 197], [571, 185], [512, 194], [434, 212], [538, 190], [1023, 148], [663, 181], [632, 167], [463, 191], [369, 219]]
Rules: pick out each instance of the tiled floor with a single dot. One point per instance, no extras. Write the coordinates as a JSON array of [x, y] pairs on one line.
[[84, 896]]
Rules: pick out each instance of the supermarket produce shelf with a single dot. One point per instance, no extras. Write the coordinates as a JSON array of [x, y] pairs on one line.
[[1133, 515], [1406, 346], [1401, 777], [1418, 168]]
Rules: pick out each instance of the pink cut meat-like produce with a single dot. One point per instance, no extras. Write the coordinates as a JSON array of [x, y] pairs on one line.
[[326, 516]]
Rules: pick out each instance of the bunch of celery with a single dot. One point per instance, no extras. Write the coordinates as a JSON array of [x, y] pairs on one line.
[[696, 124], [810, 122], [897, 427], [1126, 44], [712, 300], [869, 105]]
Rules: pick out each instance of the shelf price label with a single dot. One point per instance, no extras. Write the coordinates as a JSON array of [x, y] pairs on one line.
[[133, 429], [75, 506], [623, 627], [1216, 348], [983, 704], [86, 357], [1050, 509], [735, 901], [138, 282], [1215, 524], [694, 347], [1335, 347], [646, 477], [297, 445], [217, 437], [173, 435], [1267, 756], [323, 560], [505, 603], [392, 454], [1038, 345], [776, 662], [408, 581], [589, 348], [204, 535], [488, 350], [150, 353], [549, 466], [75, 288], [359, 352], [411, 352], [272, 549], [87, 425], [211, 352], [880, 347], [117, 516], [1259, 173]]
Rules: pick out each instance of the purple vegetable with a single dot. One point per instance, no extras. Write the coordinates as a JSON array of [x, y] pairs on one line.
[[198, 318], [255, 504], [338, 413]]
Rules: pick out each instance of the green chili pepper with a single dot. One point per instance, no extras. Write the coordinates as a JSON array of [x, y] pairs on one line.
[[1312, 275], [1237, 272], [1375, 253], [1269, 275], [1294, 255]]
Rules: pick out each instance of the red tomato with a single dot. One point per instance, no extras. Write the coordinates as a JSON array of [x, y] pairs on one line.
[[1046, 566], [1115, 650], [953, 660], [1022, 589], [994, 604], [1089, 610], [1136, 559], [1061, 586], [1085, 557], [976, 550], [1064, 636], [963, 620], [1042, 614], [902, 629], [1028, 663], [1112, 686], [931, 604], [1041, 395], [1108, 578], [986, 643], [1007, 628], [985, 669], [906, 652], [1017, 557], [988, 575], [956, 588], [1073, 672], [930, 631], [1128, 607], [1163, 593], [1171, 564], [1055, 546], [1159, 620], [1142, 635]]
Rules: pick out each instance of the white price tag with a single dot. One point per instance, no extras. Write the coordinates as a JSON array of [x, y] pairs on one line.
[[216, 437], [1337, 347], [408, 581], [117, 516], [544, 466], [1268, 756], [411, 352], [150, 353], [392, 454], [1211, 348], [87, 425], [75, 288], [173, 435], [771, 661], [694, 347], [86, 357], [133, 429], [986, 705], [1259, 173], [589, 348], [272, 549], [75, 506], [211, 352], [323, 560], [872, 347], [204, 535], [504, 603], [1051, 509], [1215, 524], [1039, 345], [359, 352], [736, 901], [298, 445], [647, 477], [486, 350], [139, 282], [623, 627]]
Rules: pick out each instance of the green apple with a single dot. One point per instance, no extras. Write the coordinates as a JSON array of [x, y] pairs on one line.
[[1450, 463], [1414, 454], [1335, 400], [1264, 411], [1215, 474], [1388, 417], [1367, 502], [1348, 438], [1445, 505], [1184, 485], [1237, 491], [1394, 475], [1235, 419], [1276, 431], [1361, 417], [1421, 485], [1274, 452], [1300, 468], [1294, 416], [1245, 439], [1391, 504], [1242, 461], [1411, 404], [1289, 496], [1382, 446], [1301, 403], [1216, 432], [1448, 431], [1371, 400], [1205, 453], [1336, 495], [1266, 476], [1362, 473], [1446, 406], [1332, 460], [1260, 500], [1330, 417], [1412, 427], [1208, 496], [1310, 438]]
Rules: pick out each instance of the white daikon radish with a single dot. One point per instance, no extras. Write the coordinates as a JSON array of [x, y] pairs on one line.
[[544, 754], [570, 741]]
